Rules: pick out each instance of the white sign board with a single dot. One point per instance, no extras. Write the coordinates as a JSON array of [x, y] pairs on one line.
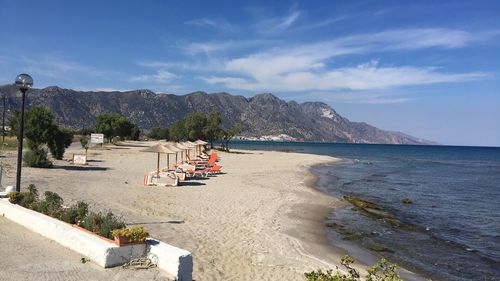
[[79, 159], [96, 138]]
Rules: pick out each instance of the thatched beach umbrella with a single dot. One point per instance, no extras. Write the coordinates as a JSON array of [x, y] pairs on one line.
[[159, 148], [189, 145], [201, 144], [181, 146], [172, 147]]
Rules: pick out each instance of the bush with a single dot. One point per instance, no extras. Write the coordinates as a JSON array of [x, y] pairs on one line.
[[31, 197], [60, 141], [51, 205], [134, 234], [17, 197], [26, 198], [76, 213], [102, 224], [382, 271], [37, 158], [158, 134]]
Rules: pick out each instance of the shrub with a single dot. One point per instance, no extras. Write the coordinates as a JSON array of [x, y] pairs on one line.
[[102, 224], [30, 198], [51, 205], [76, 213], [17, 197], [134, 234], [61, 140], [382, 271], [37, 158]]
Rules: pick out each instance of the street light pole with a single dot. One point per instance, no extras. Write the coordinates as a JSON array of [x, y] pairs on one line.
[[3, 119], [24, 82]]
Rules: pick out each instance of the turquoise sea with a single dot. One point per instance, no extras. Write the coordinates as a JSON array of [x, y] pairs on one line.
[[451, 231]]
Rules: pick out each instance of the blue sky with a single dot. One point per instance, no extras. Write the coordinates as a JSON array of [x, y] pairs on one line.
[[427, 68]]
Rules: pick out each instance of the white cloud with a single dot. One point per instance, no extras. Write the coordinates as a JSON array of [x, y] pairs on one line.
[[202, 66], [309, 67], [362, 77], [48, 67], [314, 56], [360, 97], [209, 47], [161, 76], [270, 25], [321, 23], [288, 20], [107, 89], [219, 24], [415, 38]]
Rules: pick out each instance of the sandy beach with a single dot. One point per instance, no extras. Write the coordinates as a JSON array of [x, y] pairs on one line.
[[260, 220]]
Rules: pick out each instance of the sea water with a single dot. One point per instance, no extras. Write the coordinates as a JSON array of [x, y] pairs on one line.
[[450, 231]]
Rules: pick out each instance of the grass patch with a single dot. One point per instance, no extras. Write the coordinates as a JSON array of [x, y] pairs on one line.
[[10, 143]]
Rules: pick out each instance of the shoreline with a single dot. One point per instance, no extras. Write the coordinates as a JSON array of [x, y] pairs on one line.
[[262, 220], [314, 216]]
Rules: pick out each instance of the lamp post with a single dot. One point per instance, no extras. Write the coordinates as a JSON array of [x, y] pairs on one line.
[[3, 119], [23, 82]]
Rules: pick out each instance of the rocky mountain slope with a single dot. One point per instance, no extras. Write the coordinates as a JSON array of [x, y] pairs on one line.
[[261, 115]]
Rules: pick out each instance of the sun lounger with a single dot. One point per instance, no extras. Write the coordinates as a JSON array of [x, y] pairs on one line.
[[180, 175], [161, 179], [167, 179], [205, 172], [214, 170], [209, 163]]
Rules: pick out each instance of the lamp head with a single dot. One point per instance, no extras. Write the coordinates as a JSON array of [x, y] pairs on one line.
[[24, 81]]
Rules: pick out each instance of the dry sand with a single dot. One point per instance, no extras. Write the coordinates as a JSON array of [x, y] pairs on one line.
[[258, 221]]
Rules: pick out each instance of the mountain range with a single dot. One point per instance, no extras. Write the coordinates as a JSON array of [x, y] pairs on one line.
[[261, 115]]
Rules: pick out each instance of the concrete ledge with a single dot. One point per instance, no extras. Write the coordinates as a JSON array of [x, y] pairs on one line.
[[175, 261]]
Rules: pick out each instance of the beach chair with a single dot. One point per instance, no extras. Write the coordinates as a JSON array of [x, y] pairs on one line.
[[197, 159], [214, 170], [180, 175], [206, 172], [209, 163], [189, 170], [148, 179], [166, 179]]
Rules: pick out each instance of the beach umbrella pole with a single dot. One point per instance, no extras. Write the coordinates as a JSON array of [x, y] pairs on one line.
[[158, 165]]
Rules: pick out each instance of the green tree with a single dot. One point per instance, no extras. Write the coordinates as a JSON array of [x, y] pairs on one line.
[[195, 124], [84, 142], [105, 124], [13, 123], [40, 131], [61, 140], [158, 134], [178, 131], [228, 134], [212, 130], [113, 125], [39, 126], [135, 132]]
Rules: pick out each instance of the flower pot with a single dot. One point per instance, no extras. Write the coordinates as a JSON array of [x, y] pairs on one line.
[[124, 240]]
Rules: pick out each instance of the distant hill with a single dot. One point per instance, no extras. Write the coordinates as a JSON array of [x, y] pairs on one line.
[[261, 115]]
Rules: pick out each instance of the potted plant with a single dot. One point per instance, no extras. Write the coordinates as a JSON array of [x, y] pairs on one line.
[[127, 236]]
